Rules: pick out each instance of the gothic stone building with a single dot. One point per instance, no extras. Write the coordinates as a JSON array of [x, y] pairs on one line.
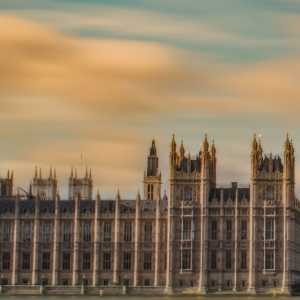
[[200, 237]]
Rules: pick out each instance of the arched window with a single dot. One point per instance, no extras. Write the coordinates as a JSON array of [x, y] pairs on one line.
[[150, 191], [188, 193]]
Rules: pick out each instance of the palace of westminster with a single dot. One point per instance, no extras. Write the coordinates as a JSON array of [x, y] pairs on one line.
[[198, 236]]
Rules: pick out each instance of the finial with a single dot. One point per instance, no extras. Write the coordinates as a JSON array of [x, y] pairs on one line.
[[213, 147], [138, 195], [40, 173], [182, 150], [254, 142], [153, 148], [54, 173], [50, 175], [90, 173], [205, 143], [86, 172], [75, 172], [118, 194], [173, 139], [36, 172], [8, 175]]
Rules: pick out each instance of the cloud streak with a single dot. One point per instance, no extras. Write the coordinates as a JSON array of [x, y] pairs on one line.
[[62, 95]]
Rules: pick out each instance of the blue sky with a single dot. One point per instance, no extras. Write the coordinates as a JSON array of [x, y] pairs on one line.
[[104, 77]]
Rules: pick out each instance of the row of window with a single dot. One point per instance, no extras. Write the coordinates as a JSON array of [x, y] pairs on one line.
[[187, 231], [269, 259], [86, 261], [46, 232], [228, 230], [269, 232]]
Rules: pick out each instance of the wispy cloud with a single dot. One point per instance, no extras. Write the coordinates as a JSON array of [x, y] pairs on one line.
[[62, 95]]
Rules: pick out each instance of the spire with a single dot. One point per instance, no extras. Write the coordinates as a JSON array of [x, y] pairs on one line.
[[287, 144], [86, 172], [98, 194], [75, 173], [8, 175], [153, 151], [118, 197], [173, 153], [173, 144], [213, 148], [36, 172], [182, 150], [50, 175], [205, 145], [54, 173], [40, 175], [138, 195], [254, 143], [90, 175], [259, 148], [12, 175]]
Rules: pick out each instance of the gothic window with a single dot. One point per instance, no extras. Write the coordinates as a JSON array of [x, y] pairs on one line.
[[228, 230], [243, 259], [244, 229], [186, 229], [86, 261], [46, 261], [127, 231], [147, 261], [5, 261], [150, 191], [269, 259], [27, 232], [269, 192], [25, 261], [186, 260], [66, 232], [86, 231], [106, 261], [46, 232], [269, 229], [188, 193], [6, 232], [228, 259], [148, 232], [213, 259], [107, 232], [214, 230], [66, 261], [127, 261]]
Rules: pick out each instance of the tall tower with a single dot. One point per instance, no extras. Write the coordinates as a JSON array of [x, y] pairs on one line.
[[271, 201], [190, 181], [81, 186], [152, 176], [289, 216], [44, 188], [6, 185]]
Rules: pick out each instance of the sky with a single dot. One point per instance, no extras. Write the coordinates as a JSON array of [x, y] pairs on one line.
[[98, 80]]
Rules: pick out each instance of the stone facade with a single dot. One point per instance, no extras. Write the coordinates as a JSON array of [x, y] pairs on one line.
[[200, 236]]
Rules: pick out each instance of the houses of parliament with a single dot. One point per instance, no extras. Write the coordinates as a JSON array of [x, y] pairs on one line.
[[197, 237]]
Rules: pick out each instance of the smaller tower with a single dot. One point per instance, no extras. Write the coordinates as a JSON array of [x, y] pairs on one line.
[[81, 186], [6, 185], [152, 177], [44, 188]]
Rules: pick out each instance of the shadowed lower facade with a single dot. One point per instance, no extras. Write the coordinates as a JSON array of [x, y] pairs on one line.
[[200, 236]]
